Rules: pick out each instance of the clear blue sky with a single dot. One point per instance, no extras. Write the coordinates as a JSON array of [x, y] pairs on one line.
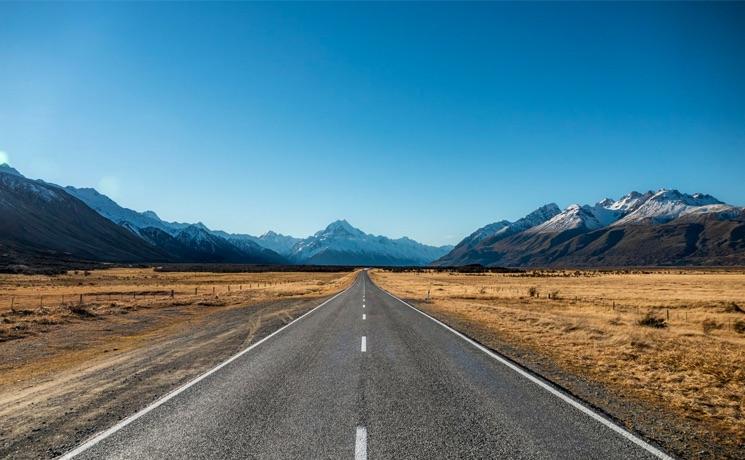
[[427, 120]]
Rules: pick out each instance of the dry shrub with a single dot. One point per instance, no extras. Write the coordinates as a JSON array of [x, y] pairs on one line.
[[739, 326], [617, 321], [533, 291], [82, 312], [554, 295], [650, 320], [709, 325]]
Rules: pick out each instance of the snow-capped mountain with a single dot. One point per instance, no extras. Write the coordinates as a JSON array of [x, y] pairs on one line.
[[579, 217], [277, 242], [492, 233], [487, 231], [535, 218], [629, 202], [124, 216], [40, 224], [653, 228], [667, 205], [190, 238], [651, 207], [342, 244], [160, 241], [213, 248], [7, 169]]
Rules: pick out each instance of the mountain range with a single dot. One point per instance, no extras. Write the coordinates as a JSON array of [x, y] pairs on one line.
[[44, 222], [666, 227], [342, 244]]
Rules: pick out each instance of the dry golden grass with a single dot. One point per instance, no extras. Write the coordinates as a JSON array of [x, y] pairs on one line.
[[33, 303], [125, 309], [590, 326]]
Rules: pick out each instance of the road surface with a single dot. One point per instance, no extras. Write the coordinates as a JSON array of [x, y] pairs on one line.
[[365, 376]]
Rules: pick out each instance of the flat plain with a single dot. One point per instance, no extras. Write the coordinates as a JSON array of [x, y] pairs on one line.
[[670, 341]]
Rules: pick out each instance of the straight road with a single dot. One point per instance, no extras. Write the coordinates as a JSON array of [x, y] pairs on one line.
[[366, 376]]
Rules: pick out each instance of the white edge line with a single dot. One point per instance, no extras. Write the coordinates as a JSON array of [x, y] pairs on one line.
[[554, 391], [168, 396], [363, 346], [360, 444]]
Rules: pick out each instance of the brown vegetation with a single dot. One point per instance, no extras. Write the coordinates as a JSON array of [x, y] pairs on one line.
[[672, 339], [32, 304]]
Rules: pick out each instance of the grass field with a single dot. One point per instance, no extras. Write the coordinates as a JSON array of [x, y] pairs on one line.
[[673, 339], [31, 304]]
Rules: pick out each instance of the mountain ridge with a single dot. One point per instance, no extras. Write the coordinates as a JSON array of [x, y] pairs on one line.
[[339, 243], [666, 227]]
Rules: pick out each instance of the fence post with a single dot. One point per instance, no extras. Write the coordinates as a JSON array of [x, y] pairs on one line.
[[81, 299], [171, 293]]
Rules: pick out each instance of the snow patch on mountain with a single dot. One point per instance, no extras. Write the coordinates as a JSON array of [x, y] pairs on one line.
[[340, 237], [16, 182], [486, 232], [666, 205], [578, 216], [505, 227], [277, 242]]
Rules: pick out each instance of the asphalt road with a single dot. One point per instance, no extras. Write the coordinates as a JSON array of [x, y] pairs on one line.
[[381, 381]]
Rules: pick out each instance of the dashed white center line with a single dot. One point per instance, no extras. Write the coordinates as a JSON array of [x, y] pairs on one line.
[[364, 317], [360, 444], [363, 305], [364, 344]]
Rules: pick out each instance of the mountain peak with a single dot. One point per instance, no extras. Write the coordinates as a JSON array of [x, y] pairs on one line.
[[151, 214], [665, 205], [697, 199], [342, 244], [341, 226], [605, 203], [8, 169]]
